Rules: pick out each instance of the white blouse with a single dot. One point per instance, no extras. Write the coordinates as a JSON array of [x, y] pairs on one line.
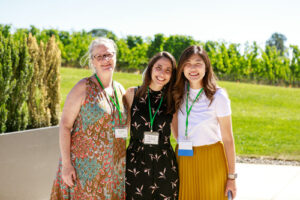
[[203, 126]]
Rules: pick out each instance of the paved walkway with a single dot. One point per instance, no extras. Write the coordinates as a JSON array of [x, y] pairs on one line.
[[267, 182]]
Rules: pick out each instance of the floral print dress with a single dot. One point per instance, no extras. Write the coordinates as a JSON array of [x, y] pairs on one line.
[[151, 170], [97, 156]]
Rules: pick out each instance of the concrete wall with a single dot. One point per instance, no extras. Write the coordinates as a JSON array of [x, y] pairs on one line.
[[28, 163]]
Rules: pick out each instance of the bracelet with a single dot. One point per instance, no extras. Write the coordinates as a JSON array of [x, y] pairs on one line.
[[232, 176]]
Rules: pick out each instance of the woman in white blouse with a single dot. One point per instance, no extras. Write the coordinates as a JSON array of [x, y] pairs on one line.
[[203, 129]]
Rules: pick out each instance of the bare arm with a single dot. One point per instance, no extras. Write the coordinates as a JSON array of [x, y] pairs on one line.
[[70, 111], [174, 125], [227, 137], [128, 100]]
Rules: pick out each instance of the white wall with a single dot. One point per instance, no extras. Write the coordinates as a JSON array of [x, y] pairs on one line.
[[28, 163]]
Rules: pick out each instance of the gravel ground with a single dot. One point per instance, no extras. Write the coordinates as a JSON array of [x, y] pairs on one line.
[[268, 161]]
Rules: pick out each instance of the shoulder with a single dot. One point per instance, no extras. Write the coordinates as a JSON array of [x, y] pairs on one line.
[[129, 96], [77, 93], [220, 97], [80, 86], [120, 86], [221, 93], [130, 92]]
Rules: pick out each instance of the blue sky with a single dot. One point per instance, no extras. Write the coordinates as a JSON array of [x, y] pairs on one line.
[[231, 20]]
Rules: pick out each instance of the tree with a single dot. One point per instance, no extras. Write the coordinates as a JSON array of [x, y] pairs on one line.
[[39, 115], [175, 44], [5, 30], [17, 118], [252, 62], [122, 55], [53, 62], [277, 40], [133, 41], [32, 101], [44, 111], [294, 78], [6, 78], [138, 57], [34, 31], [156, 45], [76, 48]]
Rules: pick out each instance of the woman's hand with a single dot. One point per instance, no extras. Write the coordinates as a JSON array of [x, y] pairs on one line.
[[68, 175], [231, 186]]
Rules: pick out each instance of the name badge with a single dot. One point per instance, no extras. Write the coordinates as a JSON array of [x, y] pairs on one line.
[[185, 148], [151, 137], [121, 132]]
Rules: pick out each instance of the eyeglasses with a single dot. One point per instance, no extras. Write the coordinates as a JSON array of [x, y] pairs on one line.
[[107, 57]]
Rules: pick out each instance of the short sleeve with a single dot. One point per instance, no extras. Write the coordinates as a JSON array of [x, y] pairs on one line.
[[222, 103]]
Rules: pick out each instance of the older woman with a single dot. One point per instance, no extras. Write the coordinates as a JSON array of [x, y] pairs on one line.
[[92, 133]]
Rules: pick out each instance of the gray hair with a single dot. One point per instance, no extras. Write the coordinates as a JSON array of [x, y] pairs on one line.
[[109, 43]]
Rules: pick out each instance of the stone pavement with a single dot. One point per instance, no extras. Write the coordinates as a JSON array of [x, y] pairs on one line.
[[267, 182]]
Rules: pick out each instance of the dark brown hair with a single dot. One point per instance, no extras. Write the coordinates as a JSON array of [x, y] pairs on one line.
[[168, 87], [208, 81]]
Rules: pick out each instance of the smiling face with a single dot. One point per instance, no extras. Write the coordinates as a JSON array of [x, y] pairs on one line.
[[161, 73], [104, 59], [194, 70]]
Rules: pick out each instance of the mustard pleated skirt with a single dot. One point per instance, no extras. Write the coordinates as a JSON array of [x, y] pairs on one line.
[[203, 176]]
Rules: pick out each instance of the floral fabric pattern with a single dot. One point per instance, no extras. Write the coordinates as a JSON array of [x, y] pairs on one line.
[[97, 156]]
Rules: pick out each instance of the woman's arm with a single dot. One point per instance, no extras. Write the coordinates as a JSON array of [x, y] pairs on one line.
[[128, 100], [227, 137], [174, 125], [70, 111]]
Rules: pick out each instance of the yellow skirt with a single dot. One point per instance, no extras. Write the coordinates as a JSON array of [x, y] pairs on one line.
[[203, 176]]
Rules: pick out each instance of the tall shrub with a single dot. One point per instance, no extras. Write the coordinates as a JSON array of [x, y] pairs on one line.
[[6, 78], [53, 62], [17, 103]]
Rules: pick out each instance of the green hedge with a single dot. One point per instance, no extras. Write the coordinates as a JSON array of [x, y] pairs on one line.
[[257, 65], [29, 82]]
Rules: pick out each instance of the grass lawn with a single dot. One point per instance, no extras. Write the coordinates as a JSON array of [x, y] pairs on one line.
[[266, 119]]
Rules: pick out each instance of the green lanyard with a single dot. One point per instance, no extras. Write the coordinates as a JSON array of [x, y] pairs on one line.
[[150, 111], [188, 110], [116, 104]]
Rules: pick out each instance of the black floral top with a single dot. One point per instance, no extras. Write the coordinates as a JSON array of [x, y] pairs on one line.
[[151, 170]]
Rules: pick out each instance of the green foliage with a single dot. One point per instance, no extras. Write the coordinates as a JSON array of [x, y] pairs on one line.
[[7, 83], [5, 30], [32, 103], [122, 55], [24, 74], [294, 76], [39, 114], [137, 58], [133, 41], [277, 40], [251, 64], [42, 95], [156, 45], [17, 118], [74, 48], [53, 62], [175, 44]]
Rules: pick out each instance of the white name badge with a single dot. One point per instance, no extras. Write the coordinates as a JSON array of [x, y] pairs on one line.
[[151, 137], [121, 132], [185, 148]]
